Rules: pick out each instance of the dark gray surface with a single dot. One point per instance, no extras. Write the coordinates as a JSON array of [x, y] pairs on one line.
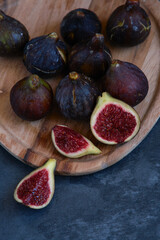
[[118, 203]]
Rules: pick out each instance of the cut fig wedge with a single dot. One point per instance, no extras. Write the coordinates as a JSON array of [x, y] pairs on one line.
[[71, 143], [36, 189], [114, 121]]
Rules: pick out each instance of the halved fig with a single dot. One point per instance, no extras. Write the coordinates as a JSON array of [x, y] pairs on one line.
[[36, 189], [114, 121], [71, 143]]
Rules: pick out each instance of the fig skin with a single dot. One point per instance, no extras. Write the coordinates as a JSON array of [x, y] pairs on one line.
[[128, 25], [45, 55], [92, 58], [79, 24], [31, 98], [125, 81], [76, 96], [13, 36]]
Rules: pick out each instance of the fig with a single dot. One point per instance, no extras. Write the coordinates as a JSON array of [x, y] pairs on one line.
[[126, 82], [113, 121], [71, 143], [76, 96], [31, 98], [92, 58], [37, 188], [45, 55], [79, 24], [13, 36], [128, 25]]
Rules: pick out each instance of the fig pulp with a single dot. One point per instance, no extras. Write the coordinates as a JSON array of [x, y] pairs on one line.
[[128, 25], [36, 189], [76, 96], [71, 143], [126, 82], [13, 36], [31, 98], [45, 55], [79, 24], [92, 58], [113, 121]]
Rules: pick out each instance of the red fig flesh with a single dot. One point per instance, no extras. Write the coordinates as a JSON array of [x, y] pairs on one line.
[[113, 121], [36, 189], [71, 143]]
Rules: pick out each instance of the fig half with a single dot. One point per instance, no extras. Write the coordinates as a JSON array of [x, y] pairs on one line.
[[127, 82], [114, 121], [36, 189], [128, 25], [71, 143], [13, 36]]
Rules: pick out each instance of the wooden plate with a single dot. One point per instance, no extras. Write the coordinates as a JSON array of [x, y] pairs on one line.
[[31, 142]]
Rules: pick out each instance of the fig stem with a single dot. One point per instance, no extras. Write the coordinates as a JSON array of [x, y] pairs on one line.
[[34, 81], [73, 75], [128, 2], [97, 41], [53, 35]]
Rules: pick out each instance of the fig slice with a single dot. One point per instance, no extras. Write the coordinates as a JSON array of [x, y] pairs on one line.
[[36, 189], [71, 143], [113, 121]]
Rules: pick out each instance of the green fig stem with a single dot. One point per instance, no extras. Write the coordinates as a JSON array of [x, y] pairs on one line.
[[2, 15], [34, 81], [73, 75], [128, 2], [54, 36], [97, 41], [80, 14]]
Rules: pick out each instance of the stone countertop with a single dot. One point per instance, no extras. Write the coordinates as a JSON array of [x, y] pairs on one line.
[[118, 203]]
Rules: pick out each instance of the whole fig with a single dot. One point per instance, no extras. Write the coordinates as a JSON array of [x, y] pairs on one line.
[[92, 58], [79, 24], [76, 96], [126, 81], [128, 25], [31, 98], [13, 36], [45, 55]]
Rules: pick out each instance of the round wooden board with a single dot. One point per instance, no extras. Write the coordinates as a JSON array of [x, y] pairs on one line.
[[31, 142]]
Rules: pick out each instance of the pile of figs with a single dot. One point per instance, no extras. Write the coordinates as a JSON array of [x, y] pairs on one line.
[[94, 86]]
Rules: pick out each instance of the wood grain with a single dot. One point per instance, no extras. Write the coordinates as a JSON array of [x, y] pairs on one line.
[[31, 142]]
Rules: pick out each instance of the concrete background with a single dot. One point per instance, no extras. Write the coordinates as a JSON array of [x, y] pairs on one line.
[[118, 203]]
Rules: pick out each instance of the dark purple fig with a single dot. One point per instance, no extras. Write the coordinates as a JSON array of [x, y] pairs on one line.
[[92, 58], [125, 81], [31, 98], [45, 55], [13, 36], [128, 25], [76, 96], [79, 24]]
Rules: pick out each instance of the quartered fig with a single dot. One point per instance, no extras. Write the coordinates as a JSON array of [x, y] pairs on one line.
[[114, 121], [79, 24], [45, 55], [126, 82], [92, 58], [71, 143], [76, 96], [36, 189], [31, 98], [128, 25], [13, 36]]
